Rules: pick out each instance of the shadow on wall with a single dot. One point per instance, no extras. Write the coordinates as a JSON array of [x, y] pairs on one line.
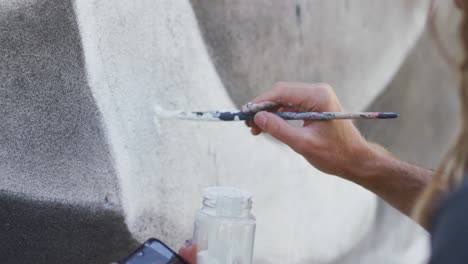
[[59, 200], [41, 232]]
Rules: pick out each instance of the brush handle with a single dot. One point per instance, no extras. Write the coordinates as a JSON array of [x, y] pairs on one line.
[[238, 116]]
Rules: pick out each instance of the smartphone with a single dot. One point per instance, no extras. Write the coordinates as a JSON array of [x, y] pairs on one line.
[[153, 251]]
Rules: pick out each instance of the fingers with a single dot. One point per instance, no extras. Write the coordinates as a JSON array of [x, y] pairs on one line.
[[302, 96], [189, 252], [279, 129], [293, 97], [254, 129], [253, 108]]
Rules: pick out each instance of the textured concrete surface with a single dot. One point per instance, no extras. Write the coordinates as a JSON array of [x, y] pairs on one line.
[[52, 141], [424, 92], [58, 190], [87, 170]]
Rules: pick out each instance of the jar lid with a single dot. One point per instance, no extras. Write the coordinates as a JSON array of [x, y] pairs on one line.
[[228, 201], [214, 192]]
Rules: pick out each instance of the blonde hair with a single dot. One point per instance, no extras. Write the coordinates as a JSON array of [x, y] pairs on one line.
[[449, 174]]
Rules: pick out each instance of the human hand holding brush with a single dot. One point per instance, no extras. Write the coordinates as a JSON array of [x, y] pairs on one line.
[[336, 146], [331, 146]]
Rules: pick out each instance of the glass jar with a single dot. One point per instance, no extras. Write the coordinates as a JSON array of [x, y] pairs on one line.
[[224, 228]]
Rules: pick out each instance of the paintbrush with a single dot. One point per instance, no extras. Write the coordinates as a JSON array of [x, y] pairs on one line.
[[241, 116]]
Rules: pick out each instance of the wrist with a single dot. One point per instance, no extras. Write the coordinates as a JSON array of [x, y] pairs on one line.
[[368, 162]]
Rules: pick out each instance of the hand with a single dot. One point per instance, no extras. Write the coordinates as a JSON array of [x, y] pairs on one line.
[[334, 146], [189, 252]]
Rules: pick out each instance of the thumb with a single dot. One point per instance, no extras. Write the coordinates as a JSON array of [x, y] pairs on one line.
[[278, 128]]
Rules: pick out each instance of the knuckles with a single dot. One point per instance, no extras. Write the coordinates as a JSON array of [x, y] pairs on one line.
[[326, 97], [277, 86], [323, 90], [319, 96]]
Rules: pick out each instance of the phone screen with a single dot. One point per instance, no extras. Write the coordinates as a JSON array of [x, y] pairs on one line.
[[153, 251]]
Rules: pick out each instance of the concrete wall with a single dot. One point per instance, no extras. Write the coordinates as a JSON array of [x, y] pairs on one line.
[[88, 170], [59, 195], [424, 91]]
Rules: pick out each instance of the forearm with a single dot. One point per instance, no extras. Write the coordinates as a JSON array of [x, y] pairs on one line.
[[397, 182]]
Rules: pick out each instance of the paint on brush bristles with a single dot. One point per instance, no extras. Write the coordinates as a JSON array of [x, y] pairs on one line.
[[161, 113], [215, 116]]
